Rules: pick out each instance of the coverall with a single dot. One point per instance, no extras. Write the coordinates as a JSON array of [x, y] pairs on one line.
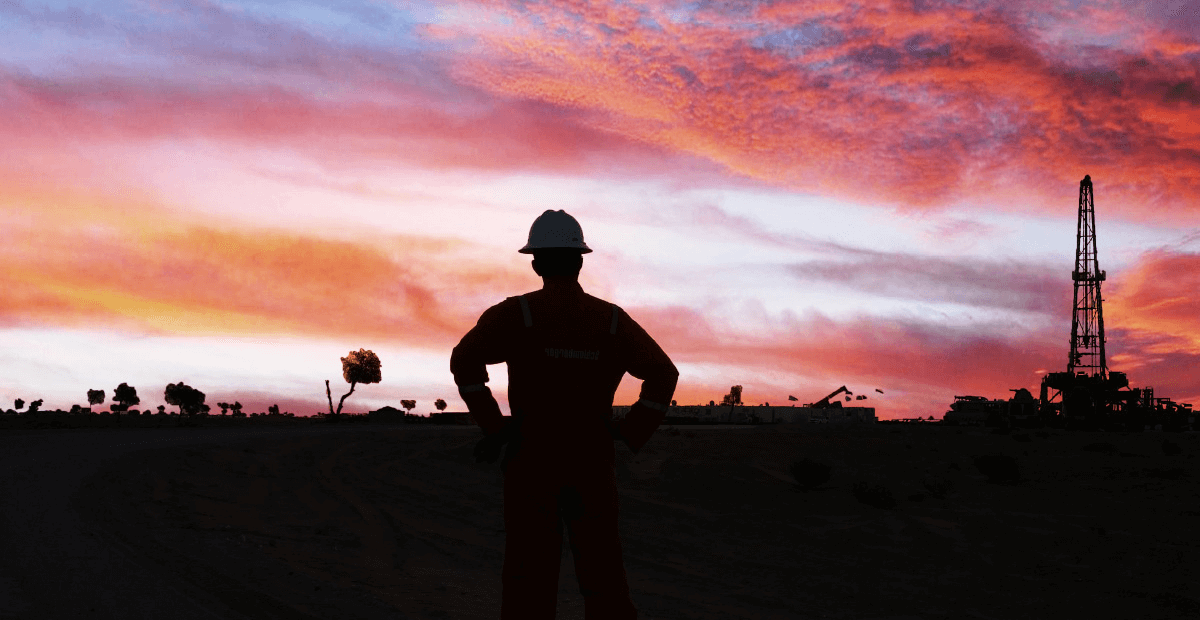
[[566, 353]]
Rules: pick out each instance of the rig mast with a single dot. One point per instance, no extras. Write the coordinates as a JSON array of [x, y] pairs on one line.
[[1087, 321]]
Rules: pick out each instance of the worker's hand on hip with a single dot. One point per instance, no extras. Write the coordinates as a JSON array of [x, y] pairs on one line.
[[488, 448]]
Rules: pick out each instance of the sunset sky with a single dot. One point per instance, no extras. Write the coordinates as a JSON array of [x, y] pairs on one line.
[[787, 196]]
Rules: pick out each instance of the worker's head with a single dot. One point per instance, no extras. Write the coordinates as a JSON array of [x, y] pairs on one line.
[[557, 262], [556, 242]]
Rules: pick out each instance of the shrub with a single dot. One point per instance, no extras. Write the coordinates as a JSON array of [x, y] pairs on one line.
[[1101, 447], [937, 486], [875, 495], [809, 474], [998, 468]]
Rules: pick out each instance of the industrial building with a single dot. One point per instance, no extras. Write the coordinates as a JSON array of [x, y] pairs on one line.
[[761, 414]]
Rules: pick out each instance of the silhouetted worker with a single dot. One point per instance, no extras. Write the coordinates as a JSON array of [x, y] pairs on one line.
[[566, 353]]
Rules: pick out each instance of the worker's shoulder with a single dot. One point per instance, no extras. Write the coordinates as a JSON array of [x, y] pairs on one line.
[[509, 306], [596, 302]]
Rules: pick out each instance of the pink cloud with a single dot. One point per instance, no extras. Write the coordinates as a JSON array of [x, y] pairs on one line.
[[885, 103]]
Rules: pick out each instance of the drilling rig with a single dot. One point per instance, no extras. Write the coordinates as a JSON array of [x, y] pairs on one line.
[[1088, 395]]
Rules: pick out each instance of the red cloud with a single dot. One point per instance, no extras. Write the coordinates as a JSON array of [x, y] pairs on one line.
[[42, 118], [893, 103]]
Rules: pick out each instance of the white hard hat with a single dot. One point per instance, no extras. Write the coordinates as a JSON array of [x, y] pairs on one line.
[[555, 229]]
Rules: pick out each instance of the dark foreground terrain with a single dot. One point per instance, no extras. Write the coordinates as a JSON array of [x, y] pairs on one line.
[[400, 522]]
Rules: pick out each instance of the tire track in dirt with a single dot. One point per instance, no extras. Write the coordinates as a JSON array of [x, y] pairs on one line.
[[379, 539]]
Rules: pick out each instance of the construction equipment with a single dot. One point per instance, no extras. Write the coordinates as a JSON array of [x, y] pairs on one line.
[[824, 402]]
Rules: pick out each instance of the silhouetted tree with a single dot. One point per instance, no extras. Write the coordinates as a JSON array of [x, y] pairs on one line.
[[273, 409], [95, 397], [127, 396], [34, 406], [361, 366], [408, 406], [224, 408], [18, 403], [76, 409], [237, 409], [440, 404], [161, 410], [187, 398], [734, 397]]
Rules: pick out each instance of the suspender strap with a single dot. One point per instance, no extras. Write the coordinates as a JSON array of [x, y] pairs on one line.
[[525, 311], [613, 330]]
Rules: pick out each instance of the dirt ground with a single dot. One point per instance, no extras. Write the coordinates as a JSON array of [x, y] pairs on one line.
[[401, 522]]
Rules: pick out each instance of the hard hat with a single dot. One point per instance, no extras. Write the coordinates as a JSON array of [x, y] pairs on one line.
[[555, 229]]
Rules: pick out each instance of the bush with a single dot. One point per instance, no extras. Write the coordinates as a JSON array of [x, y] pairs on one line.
[[937, 486], [809, 474], [998, 468], [1101, 447], [875, 495]]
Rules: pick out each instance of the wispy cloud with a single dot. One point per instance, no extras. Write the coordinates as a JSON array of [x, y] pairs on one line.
[[920, 105], [147, 271]]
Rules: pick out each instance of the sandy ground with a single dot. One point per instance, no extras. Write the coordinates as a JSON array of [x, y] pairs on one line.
[[400, 522]]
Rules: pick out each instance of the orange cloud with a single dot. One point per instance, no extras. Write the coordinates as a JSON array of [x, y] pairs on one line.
[[889, 102], [44, 121], [1158, 296], [71, 259]]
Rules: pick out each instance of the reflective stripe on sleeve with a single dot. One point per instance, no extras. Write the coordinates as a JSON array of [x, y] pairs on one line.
[[613, 329], [474, 387], [653, 405], [525, 311]]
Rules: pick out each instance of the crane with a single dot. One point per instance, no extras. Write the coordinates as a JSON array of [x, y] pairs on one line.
[[824, 402]]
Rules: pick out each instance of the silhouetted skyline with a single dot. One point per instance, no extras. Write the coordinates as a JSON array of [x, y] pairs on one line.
[[791, 198]]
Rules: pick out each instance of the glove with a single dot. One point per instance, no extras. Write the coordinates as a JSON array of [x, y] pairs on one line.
[[488, 448], [614, 429]]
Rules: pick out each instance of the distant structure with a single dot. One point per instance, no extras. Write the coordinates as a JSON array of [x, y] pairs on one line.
[[823, 411], [1087, 395], [1087, 318]]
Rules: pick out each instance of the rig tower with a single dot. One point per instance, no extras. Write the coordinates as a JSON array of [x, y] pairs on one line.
[[1087, 320]]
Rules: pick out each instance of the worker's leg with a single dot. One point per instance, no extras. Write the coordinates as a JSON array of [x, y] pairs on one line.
[[591, 518], [532, 543]]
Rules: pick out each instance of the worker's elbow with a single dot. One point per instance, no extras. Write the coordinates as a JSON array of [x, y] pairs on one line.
[[458, 361], [671, 375]]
